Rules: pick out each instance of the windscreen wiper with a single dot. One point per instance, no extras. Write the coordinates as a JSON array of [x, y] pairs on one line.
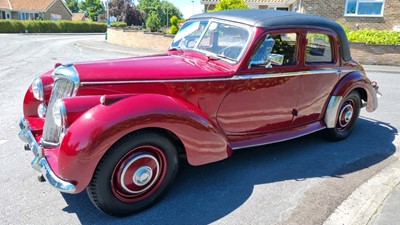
[[219, 56], [179, 49]]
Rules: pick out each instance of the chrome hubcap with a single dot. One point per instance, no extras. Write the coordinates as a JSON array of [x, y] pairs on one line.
[[345, 115], [142, 171], [142, 176]]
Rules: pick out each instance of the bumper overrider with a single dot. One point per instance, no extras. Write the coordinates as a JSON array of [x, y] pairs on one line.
[[40, 163]]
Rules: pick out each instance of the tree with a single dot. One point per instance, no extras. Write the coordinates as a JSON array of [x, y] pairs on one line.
[[92, 8], [125, 10], [149, 6], [162, 9], [167, 11], [115, 9], [73, 5], [230, 4], [153, 22], [132, 15]]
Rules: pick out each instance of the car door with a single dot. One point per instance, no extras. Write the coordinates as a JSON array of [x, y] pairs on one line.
[[321, 65], [262, 98]]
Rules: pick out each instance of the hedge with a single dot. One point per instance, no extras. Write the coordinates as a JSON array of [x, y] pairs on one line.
[[47, 26], [377, 37]]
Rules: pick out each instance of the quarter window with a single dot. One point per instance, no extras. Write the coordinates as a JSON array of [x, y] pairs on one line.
[[318, 49], [364, 8]]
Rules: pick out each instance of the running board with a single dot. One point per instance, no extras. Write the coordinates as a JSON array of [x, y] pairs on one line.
[[259, 140]]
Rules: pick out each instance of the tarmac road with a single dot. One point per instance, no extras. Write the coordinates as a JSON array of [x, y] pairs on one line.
[[301, 181]]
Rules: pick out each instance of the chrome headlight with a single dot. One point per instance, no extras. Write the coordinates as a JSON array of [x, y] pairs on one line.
[[59, 113], [37, 89], [42, 110]]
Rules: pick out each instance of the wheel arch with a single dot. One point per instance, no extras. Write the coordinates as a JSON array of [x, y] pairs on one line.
[[97, 130], [354, 81], [176, 141]]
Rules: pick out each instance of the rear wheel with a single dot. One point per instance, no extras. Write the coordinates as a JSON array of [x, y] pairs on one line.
[[134, 174], [348, 114]]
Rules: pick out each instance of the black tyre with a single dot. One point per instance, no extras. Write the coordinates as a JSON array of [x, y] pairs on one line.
[[134, 174], [348, 114]]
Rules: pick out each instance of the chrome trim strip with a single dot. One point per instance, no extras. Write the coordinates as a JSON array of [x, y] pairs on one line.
[[40, 163], [236, 77], [288, 74], [332, 111]]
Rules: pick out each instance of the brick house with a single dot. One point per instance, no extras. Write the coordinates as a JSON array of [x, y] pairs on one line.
[[32, 9], [356, 14], [288, 5], [377, 14]]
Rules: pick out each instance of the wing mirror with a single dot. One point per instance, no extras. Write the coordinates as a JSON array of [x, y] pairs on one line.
[[263, 55], [275, 59]]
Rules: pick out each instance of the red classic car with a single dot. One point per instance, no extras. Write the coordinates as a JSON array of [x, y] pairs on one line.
[[230, 80]]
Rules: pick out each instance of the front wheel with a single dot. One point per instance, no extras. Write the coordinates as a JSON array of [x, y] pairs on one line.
[[134, 174], [348, 114]]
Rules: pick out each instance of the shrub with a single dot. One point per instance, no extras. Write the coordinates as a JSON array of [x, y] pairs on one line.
[[118, 24], [371, 36], [230, 4], [174, 25], [173, 29]]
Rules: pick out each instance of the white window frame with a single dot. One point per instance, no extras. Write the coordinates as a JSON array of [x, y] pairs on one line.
[[364, 15], [7, 15], [55, 17], [24, 15], [276, 7]]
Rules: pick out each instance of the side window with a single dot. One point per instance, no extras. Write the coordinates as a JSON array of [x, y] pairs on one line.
[[286, 45], [318, 49]]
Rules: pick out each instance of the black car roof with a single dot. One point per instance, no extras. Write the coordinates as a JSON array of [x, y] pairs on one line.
[[276, 18]]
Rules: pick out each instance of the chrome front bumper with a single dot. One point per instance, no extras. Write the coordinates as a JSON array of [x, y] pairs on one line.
[[40, 163]]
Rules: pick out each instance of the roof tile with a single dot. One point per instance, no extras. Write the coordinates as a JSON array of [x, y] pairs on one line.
[[78, 16], [39, 5], [5, 4]]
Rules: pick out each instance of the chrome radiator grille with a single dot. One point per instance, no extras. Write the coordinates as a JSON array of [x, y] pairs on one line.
[[63, 87]]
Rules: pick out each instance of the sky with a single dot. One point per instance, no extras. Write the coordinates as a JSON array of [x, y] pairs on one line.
[[188, 7]]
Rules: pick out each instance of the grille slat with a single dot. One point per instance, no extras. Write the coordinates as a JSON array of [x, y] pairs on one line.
[[63, 87]]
